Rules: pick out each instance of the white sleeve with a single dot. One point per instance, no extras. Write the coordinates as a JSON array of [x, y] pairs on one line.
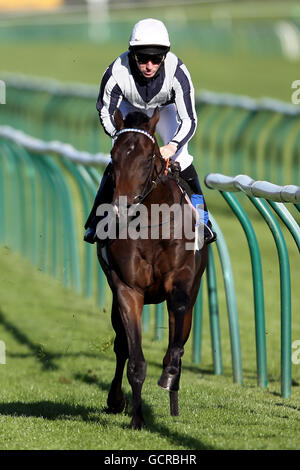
[[108, 100], [185, 104]]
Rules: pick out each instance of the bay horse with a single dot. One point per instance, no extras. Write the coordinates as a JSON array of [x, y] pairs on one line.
[[146, 270]]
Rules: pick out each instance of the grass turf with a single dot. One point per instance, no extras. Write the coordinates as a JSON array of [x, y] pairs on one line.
[[86, 62], [59, 346], [60, 361]]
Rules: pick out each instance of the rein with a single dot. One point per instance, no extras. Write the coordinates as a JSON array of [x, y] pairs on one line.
[[141, 197]]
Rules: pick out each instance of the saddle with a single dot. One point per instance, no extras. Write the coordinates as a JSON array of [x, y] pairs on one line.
[[174, 172]]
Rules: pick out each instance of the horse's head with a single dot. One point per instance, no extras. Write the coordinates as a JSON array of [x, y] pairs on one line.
[[134, 155]]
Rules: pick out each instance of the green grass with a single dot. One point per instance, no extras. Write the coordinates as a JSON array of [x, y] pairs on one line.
[[83, 61], [59, 364], [60, 359], [86, 62]]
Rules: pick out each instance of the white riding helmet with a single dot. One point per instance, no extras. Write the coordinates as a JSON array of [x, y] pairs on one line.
[[149, 32]]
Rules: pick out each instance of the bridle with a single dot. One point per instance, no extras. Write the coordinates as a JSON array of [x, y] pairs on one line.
[[141, 197], [140, 131]]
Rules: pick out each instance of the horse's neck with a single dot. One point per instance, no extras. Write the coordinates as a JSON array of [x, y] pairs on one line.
[[167, 191]]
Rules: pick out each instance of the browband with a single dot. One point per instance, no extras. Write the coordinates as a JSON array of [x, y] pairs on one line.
[[140, 131]]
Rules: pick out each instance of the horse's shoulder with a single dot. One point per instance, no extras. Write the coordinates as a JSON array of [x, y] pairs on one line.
[[174, 175]]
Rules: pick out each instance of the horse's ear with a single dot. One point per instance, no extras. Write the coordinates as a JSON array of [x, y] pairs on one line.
[[154, 120], [118, 119]]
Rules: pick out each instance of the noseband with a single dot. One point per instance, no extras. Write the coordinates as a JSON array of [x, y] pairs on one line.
[[142, 197]]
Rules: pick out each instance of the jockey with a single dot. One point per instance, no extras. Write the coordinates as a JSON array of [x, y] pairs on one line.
[[147, 76]]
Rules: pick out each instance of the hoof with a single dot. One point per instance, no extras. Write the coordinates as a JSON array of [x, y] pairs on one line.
[[115, 407], [169, 381], [137, 423]]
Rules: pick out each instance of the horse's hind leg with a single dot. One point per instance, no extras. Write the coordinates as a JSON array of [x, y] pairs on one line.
[[174, 409], [116, 399], [180, 318]]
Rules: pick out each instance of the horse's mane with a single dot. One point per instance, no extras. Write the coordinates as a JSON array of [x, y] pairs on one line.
[[135, 119]]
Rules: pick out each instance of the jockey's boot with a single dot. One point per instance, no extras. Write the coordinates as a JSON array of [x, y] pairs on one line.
[[190, 176], [104, 195]]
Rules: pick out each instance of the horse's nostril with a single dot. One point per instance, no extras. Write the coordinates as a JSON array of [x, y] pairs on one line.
[[116, 208], [121, 206], [122, 203]]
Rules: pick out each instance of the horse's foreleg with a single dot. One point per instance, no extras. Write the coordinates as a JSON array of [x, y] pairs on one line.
[[131, 305], [116, 399], [136, 373]]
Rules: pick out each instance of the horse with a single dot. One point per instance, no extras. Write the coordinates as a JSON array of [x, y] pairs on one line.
[[147, 270]]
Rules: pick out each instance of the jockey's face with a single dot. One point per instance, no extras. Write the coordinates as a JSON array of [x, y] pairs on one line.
[[148, 65]]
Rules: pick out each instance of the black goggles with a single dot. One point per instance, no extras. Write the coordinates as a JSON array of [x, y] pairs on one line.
[[144, 58]]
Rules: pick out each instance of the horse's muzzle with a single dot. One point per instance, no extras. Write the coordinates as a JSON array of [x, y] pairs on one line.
[[123, 209]]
